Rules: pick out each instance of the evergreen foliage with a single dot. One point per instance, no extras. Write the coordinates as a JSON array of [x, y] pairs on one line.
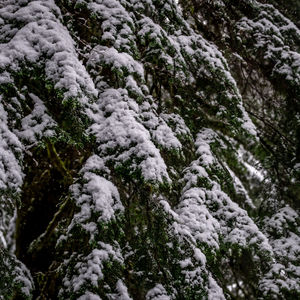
[[149, 149]]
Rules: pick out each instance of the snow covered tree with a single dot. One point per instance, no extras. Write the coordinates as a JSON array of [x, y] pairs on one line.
[[149, 149]]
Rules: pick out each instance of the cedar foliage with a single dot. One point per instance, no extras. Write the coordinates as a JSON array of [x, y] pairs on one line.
[[149, 149]]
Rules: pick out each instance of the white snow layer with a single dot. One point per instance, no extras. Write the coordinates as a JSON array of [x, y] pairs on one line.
[[43, 41], [121, 138]]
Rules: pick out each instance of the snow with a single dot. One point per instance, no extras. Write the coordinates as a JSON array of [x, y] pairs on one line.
[[283, 230], [282, 220], [196, 219], [270, 31], [207, 211], [122, 291], [185, 263], [121, 138], [160, 131], [199, 256], [214, 291], [89, 296], [43, 40], [133, 135], [239, 188], [120, 61], [177, 124], [276, 280], [11, 176], [2, 239], [116, 24], [36, 124], [247, 123], [252, 165], [96, 196], [10, 265], [288, 247], [207, 216], [94, 164], [203, 148], [157, 293], [88, 271], [245, 232]]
